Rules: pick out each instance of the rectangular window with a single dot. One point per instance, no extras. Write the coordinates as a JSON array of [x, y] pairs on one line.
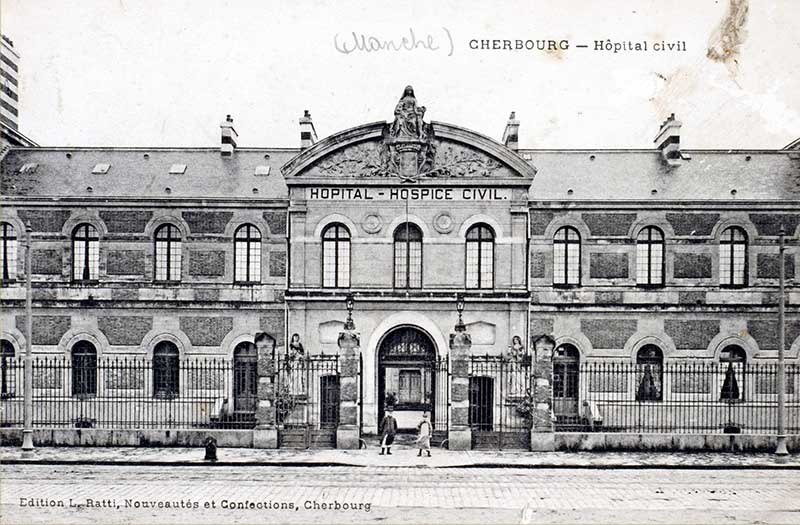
[[415, 265], [400, 265], [649, 263], [8, 260], [572, 270], [410, 386], [487, 265], [86, 268], [472, 264], [343, 262], [168, 262]]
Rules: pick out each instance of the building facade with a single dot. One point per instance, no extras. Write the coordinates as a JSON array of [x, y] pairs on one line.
[[642, 258]]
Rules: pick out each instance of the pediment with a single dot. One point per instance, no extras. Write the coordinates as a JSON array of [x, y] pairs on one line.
[[452, 153]]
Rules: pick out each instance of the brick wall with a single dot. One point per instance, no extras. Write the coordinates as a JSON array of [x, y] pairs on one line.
[[274, 322], [691, 335], [602, 224], [206, 331], [541, 327], [277, 264], [765, 332], [46, 262], [768, 265], [126, 221], [686, 224], [539, 220], [276, 220], [207, 221], [47, 329], [608, 265], [537, 265], [45, 220], [124, 330], [608, 333], [125, 262], [770, 223], [692, 266], [207, 262]]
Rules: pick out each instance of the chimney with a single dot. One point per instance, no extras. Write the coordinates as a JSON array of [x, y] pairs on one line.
[[511, 134], [229, 136], [308, 136], [668, 141]]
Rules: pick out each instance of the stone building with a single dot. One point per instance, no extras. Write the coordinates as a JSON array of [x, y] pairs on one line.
[[645, 257]]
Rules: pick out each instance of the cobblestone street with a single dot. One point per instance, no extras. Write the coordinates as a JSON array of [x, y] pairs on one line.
[[139, 494]]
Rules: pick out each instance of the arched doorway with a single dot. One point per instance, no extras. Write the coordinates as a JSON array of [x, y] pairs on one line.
[[566, 378], [245, 380], [407, 370]]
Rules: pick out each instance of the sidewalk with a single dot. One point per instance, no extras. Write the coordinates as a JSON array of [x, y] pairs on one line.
[[401, 457]]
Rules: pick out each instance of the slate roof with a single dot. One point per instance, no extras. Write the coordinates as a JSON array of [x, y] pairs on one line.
[[613, 175], [593, 175], [143, 173]]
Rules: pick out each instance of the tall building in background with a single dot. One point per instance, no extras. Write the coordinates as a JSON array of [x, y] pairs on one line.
[[9, 96]]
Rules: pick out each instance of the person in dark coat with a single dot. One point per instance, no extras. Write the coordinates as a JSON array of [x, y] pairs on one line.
[[388, 430]]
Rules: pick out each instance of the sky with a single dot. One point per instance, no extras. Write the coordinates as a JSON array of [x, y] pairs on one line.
[[165, 73]]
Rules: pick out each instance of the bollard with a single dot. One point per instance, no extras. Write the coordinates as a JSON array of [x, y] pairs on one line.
[[211, 448]]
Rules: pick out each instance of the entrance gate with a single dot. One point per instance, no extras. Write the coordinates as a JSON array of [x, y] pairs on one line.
[[499, 390], [307, 401], [412, 379]]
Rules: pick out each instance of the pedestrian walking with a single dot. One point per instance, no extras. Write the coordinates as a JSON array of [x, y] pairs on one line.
[[388, 430], [424, 433]]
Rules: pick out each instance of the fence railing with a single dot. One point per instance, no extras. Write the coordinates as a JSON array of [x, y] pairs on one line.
[[498, 391], [307, 391], [674, 398], [128, 393]]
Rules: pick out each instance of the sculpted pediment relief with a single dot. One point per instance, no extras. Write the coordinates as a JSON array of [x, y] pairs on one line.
[[409, 150], [373, 159]]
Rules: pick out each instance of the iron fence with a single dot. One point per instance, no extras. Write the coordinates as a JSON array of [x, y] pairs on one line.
[[307, 392], [689, 397], [128, 393], [499, 395]]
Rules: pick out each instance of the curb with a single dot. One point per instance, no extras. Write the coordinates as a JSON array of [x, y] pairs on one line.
[[310, 464]]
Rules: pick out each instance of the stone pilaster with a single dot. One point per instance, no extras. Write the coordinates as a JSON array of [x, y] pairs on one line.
[[265, 434], [459, 434], [347, 433], [542, 424]]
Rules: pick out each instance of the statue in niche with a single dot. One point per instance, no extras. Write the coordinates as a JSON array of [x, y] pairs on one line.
[[295, 366], [517, 372]]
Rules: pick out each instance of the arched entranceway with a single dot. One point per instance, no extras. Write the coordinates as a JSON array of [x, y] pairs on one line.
[[566, 385], [411, 378]]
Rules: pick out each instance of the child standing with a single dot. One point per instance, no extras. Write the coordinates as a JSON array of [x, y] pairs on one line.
[[388, 430], [424, 433]]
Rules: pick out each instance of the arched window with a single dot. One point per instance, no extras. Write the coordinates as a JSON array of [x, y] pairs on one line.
[[166, 370], [649, 373], [336, 256], [84, 369], [85, 253], [733, 257], [7, 370], [8, 254], [408, 256], [650, 257], [733, 359], [168, 253], [567, 257], [247, 254], [480, 257]]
